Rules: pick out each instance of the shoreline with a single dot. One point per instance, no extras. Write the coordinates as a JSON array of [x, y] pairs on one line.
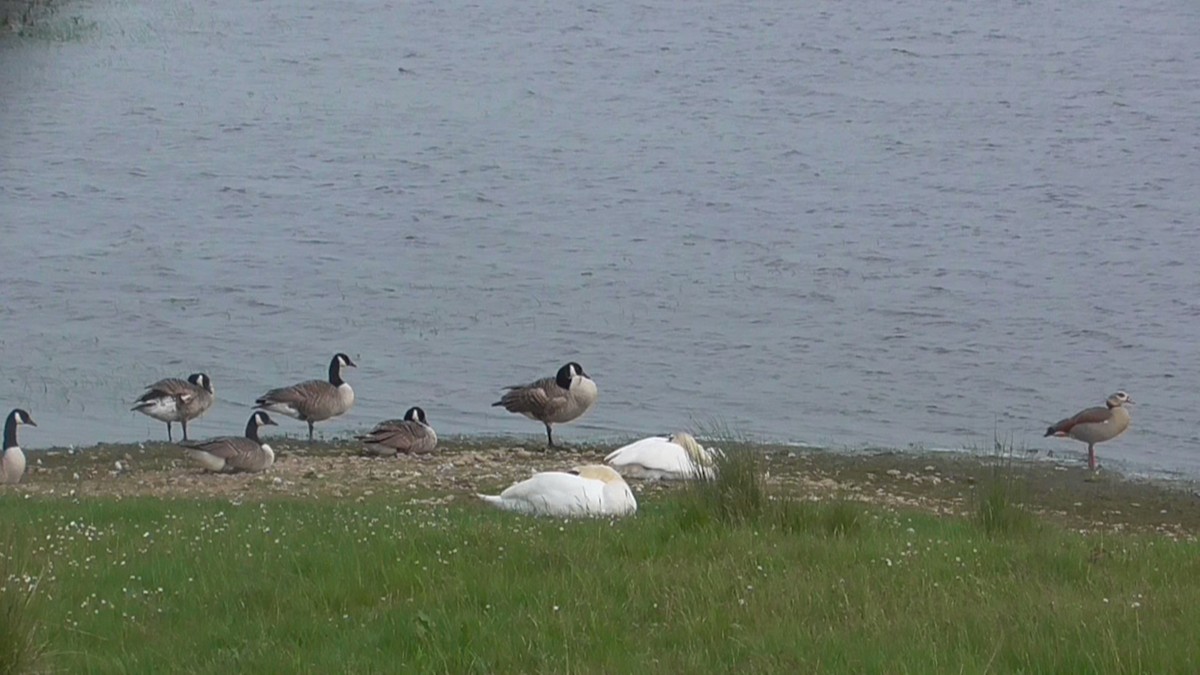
[[938, 482]]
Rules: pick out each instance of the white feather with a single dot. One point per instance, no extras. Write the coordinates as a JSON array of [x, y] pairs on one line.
[[286, 409], [163, 409], [12, 466], [555, 493], [659, 458], [207, 460]]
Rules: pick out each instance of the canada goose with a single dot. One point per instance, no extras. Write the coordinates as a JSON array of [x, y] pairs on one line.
[[410, 436], [593, 490], [1096, 425], [12, 466], [313, 400], [175, 400], [552, 400], [235, 453], [675, 457]]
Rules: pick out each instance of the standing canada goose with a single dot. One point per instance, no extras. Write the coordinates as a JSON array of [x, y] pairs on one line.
[[675, 457], [593, 490], [410, 436], [552, 400], [12, 466], [235, 453], [175, 400], [1096, 425], [313, 400]]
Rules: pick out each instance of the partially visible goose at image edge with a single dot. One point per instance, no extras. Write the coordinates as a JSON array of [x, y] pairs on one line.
[[12, 465]]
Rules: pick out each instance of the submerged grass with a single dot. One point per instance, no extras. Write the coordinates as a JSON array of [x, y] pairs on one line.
[[203, 586]]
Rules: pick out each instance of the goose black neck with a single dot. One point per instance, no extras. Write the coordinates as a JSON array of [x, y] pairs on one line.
[[10, 432], [335, 373], [252, 428]]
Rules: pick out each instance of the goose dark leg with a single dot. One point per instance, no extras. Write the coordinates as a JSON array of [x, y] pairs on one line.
[[169, 439], [184, 423], [1091, 457], [310, 430], [549, 436]]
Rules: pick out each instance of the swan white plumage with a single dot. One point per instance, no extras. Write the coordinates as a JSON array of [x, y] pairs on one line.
[[675, 457], [593, 490]]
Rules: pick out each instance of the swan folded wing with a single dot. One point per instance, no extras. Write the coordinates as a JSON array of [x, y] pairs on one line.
[[656, 455], [557, 493]]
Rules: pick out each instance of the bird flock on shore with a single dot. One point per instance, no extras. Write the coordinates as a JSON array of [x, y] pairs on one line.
[[590, 490]]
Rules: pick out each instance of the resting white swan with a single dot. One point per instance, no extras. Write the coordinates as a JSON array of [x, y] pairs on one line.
[[593, 490], [676, 457]]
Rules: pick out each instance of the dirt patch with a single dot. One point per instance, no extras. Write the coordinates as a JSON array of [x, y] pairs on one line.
[[938, 483]]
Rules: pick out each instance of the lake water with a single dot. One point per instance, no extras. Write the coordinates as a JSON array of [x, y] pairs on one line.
[[878, 223]]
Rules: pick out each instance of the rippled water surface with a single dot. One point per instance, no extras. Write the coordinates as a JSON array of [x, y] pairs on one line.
[[837, 223]]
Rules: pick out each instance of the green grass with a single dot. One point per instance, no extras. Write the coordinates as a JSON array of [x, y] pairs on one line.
[[144, 585], [21, 646], [998, 503]]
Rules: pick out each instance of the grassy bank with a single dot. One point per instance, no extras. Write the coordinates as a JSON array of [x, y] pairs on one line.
[[284, 585], [126, 559]]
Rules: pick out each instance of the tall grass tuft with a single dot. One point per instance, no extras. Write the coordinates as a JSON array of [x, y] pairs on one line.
[[734, 493], [998, 499], [21, 646]]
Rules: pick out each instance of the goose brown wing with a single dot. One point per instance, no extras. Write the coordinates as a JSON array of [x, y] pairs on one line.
[[536, 398], [171, 386], [233, 449], [1089, 416], [300, 393], [404, 436]]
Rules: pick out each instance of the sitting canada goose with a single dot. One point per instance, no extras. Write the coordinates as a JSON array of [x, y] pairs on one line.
[[1096, 425], [675, 457], [175, 400], [12, 466], [594, 490], [552, 400], [231, 454], [410, 436], [313, 400]]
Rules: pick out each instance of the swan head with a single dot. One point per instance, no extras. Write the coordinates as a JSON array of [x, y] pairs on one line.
[[695, 451]]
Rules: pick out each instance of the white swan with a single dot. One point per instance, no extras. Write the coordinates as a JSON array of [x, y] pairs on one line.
[[676, 457], [593, 490]]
